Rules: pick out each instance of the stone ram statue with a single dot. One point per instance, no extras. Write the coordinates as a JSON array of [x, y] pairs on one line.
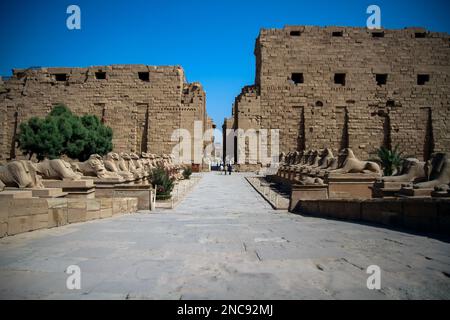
[[412, 170], [20, 174], [353, 165], [139, 165], [438, 171], [111, 161], [94, 167], [56, 169], [138, 174], [147, 161]]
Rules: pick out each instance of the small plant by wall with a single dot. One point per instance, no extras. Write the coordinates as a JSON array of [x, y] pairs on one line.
[[187, 172], [164, 184]]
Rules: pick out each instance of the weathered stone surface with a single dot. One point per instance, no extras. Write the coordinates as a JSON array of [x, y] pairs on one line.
[[16, 194], [295, 90], [77, 210], [216, 248], [143, 113], [57, 212], [307, 192]]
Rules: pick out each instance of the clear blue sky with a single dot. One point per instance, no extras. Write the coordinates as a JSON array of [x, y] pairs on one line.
[[213, 40]]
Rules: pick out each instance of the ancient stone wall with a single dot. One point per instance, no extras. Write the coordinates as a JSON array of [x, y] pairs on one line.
[[143, 104], [247, 117], [341, 86], [228, 128]]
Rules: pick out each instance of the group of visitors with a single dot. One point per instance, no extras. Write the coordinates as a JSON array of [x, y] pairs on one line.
[[224, 168]]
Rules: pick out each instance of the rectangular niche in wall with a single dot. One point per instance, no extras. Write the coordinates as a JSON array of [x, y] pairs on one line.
[[100, 111], [142, 127], [100, 75], [339, 78], [144, 76], [297, 78], [378, 34], [381, 79], [422, 79], [60, 76]]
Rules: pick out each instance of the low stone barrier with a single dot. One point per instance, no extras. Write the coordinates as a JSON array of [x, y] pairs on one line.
[[140, 191], [274, 197], [427, 215], [28, 214]]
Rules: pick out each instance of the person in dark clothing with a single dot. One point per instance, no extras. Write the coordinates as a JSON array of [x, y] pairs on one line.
[[230, 168]]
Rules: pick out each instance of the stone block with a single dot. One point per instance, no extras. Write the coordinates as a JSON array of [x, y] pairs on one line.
[[415, 193], [77, 210], [444, 217], [25, 207], [48, 193], [3, 229], [307, 192], [387, 212], [350, 186], [106, 213], [308, 207], [132, 205], [341, 209], [73, 188], [57, 212], [421, 215], [16, 194], [39, 221], [105, 203], [93, 205], [4, 210], [20, 224], [120, 206]]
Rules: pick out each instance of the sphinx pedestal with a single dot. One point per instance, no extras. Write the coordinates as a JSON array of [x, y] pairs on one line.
[[40, 192], [386, 189], [74, 188], [142, 192], [350, 185], [14, 194], [440, 194], [307, 192], [415, 193]]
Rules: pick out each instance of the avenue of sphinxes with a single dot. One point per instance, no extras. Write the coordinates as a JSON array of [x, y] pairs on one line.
[[333, 180]]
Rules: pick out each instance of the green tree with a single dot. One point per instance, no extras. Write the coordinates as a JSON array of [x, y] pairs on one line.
[[63, 133], [41, 137]]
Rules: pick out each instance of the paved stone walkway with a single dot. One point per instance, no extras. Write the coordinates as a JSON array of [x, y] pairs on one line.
[[223, 242]]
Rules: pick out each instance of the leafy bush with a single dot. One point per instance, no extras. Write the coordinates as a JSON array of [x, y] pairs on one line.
[[164, 184], [63, 133], [391, 160], [187, 172]]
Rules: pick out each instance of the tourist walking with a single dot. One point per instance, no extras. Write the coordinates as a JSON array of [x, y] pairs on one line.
[[230, 168]]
